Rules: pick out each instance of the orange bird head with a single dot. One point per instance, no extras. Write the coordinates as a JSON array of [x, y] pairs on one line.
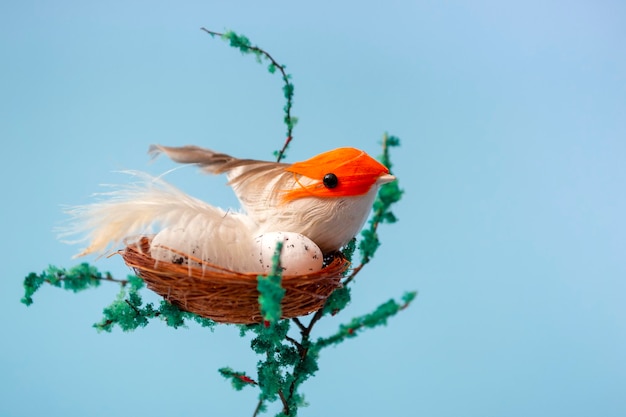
[[343, 172]]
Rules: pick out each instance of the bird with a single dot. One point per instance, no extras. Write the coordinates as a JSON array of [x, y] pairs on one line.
[[326, 199]]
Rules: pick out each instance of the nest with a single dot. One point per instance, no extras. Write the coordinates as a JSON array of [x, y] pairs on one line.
[[226, 296]]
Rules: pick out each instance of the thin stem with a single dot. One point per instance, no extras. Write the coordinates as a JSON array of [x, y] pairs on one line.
[[133, 307], [108, 277], [355, 271], [288, 119], [318, 315], [281, 153], [293, 341], [284, 401], [258, 408], [254, 48], [299, 324]]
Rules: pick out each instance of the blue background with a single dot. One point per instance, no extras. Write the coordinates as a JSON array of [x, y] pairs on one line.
[[512, 117]]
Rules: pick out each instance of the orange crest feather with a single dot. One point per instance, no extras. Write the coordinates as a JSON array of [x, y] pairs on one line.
[[355, 170]]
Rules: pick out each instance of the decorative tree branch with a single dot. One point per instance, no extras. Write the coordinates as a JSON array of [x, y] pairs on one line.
[[243, 44], [288, 360], [129, 313], [389, 194], [238, 379], [376, 318], [76, 279]]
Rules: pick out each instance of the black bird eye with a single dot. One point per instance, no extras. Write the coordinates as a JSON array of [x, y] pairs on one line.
[[330, 180]]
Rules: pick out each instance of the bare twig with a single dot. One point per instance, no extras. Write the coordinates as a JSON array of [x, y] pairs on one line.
[[284, 401], [258, 408]]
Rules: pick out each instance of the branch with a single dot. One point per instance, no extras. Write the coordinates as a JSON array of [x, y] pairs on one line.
[[78, 278], [243, 44], [377, 318], [388, 194], [238, 379]]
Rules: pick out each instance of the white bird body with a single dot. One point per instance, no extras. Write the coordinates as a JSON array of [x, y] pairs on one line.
[[329, 222], [275, 197]]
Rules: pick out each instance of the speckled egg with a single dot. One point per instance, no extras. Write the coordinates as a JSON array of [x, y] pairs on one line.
[[300, 255]]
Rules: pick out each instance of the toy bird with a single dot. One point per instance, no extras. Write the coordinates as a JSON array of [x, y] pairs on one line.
[[319, 203]]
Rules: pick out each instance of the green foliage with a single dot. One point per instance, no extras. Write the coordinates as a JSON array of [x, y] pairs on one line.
[[388, 142], [270, 290], [272, 376], [78, 278], [337, 301], [126, 312], [348, 250], [129, 313], [377, 318], [369, 243], [239, 380], [242, 43]]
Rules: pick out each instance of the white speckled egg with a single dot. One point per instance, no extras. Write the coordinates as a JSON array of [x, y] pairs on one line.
[[300, 255]]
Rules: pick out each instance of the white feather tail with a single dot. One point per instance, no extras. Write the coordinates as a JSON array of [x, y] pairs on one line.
[[181, 223]]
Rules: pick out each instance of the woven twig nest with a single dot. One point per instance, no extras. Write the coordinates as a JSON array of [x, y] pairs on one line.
[[227, 296]]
